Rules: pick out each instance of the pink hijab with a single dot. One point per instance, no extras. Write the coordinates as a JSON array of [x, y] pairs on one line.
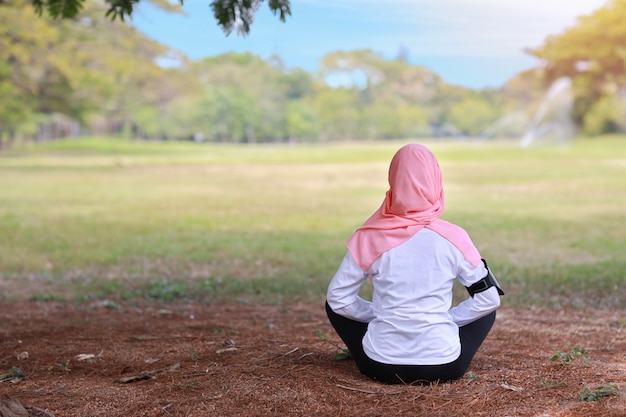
[[414, 201]]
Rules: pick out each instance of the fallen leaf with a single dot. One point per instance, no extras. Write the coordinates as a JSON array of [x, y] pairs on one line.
[[512, 388], [230, 349]]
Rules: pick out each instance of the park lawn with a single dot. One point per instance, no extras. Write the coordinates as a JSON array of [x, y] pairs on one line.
[[109, 219]]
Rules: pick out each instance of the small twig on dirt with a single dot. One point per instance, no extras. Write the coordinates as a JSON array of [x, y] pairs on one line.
[[291, 351], [165, 407], [144, 338], [84, 357], [149, 337], [230, 349], [265, 381], [284, 374], [271, 358], [215, 397], [88, 356], [147, 375], [357, 389], [441, 406], [194, 374]]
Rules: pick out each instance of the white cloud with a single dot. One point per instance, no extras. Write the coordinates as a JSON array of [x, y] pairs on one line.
[[460, 27]]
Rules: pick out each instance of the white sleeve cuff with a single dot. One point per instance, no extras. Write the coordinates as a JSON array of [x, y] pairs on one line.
[[474, 308], [359, 310]]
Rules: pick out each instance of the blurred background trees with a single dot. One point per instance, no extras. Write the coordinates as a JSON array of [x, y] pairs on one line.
[[593, 55], [88, 75]]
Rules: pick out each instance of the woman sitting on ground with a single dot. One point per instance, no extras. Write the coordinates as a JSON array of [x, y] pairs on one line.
[[408, 332]]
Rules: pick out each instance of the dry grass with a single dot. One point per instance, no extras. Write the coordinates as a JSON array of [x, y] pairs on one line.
[[242, 360]]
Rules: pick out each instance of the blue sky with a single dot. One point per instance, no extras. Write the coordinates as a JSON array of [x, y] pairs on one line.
[[474, 43]]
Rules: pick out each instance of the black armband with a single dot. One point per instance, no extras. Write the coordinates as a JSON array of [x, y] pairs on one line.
[[485, 283]]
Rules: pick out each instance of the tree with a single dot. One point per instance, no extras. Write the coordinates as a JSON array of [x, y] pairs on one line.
[[592, 53], [69, 72], [230, 14], [261, 87], [472, 115], [301, 120], [19, 35], [608, 114], [338, 113], [34, 77]]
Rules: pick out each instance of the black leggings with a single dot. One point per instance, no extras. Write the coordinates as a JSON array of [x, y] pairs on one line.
[[471, 335]]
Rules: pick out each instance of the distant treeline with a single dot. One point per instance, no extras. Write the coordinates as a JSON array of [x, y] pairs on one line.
[[91, 76]]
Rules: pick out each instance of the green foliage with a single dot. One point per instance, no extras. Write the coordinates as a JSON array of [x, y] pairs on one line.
[[14, 374], [61, 77], [471, 376], [61, 8], [472, 115], [321, 335], [26, 66], [239, 14], [607, 114], [343, 354], [83, 71], [60, 367], [599, 392], [64, 73], [301, 121], [567, 357], [46, 297], [592, 54], [167, 290], [230, 14], [337, 113]]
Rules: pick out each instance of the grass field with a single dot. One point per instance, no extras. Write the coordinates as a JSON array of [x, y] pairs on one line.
[[111, 219]]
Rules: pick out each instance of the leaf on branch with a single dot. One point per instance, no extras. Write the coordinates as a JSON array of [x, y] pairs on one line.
[[120, 8], [235, 14], [239, 14], [58, 8], [231, 15], [282, 7]]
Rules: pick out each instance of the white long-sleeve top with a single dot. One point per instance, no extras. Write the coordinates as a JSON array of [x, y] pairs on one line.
[[410, 319]]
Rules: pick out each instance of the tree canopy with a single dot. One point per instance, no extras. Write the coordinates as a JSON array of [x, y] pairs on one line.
[[231, 15], [92, 75], [593, 54]]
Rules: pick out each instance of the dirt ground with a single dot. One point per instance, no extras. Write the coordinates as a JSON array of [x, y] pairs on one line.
[[109, 360]]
